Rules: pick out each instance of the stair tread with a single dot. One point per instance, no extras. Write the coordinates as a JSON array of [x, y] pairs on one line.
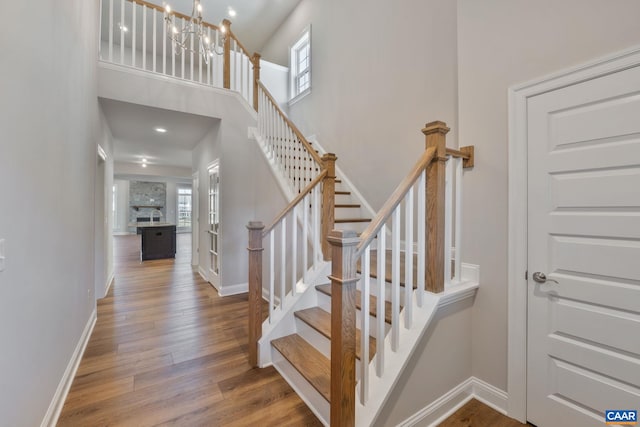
[[311, 364], [346, 193], [373, 306], [345, 220], [320, 320], [347, 205]]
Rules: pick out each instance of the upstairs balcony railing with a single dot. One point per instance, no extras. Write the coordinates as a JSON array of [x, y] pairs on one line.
[[134, 33]]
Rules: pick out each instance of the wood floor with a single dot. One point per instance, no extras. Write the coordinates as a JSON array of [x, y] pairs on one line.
[[167, 350], [477, 414]]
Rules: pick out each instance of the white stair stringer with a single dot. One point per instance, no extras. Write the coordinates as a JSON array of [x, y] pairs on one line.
[[380, 388], [282, 322]]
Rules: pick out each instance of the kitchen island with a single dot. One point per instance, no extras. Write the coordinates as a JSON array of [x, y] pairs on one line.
[[158, 240]]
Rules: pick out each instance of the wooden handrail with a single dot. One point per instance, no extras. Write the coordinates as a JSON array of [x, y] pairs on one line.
[[304, 141], [457, 153], [384, 214], [177, 14], [295, 201]]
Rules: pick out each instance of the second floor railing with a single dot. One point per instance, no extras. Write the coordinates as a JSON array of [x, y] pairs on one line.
[[134, 33]]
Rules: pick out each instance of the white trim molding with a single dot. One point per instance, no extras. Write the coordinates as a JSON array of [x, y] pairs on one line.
[[443, 407], [517, 225], [55, 407]]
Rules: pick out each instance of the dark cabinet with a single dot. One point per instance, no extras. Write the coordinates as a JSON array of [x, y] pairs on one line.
[[158, 242]]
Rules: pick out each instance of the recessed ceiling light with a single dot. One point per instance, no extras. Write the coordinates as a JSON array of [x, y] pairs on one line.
[[123, 27], [160, 130], [144, 165], [144, 160], [232, 12]]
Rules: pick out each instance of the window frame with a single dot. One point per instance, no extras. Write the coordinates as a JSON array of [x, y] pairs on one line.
[[295, 74]]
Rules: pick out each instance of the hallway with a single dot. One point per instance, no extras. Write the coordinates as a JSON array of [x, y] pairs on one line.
[[167, 350]]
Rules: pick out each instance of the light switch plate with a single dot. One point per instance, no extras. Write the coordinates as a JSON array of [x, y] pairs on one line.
[[2, 254]]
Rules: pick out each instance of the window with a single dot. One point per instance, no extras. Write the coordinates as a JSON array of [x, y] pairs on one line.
[[184, 208], [300, 66], [214, 219]]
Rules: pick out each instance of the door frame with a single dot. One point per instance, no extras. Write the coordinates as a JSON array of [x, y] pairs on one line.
[[517, 224]]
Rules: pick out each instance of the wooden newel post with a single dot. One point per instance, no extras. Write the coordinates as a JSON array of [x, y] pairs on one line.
[[255, 289], [343, 327], [328, 202], [226, 66], [435, 133], [255, 59]]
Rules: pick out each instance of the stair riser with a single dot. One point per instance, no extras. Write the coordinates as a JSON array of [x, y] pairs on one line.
[[348, 213], [314, 400], [318, 341], [324, 302]]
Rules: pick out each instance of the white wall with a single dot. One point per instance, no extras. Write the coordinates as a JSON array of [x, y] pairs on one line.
[[422, 382], [380, 71], [502, 43], [103, 211], [122, 205], [49, 123]]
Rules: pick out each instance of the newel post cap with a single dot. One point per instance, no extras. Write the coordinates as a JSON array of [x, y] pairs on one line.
[[255, 225], [343, 238], [435, 127]]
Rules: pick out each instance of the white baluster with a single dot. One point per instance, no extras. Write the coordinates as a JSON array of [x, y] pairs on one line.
[[395, 279], [421, 236], [144, 37], [110, 30], [133, 34], [294, 249], [164, 46], [155, 53], [183, 53], [316, 226], [365, 291], [448, 220], [408, 259], [380, 315], [272, 276], [305, 237], [458, 221], [122, 32], [173, 56], [191, 58], [283, 261]]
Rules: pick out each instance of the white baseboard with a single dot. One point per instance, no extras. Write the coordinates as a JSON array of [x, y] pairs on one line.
[[107, 285], [203, 274], [53, 413], [442, 408], [240, 288]]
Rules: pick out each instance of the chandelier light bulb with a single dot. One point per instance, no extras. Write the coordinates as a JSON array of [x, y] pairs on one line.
[[232, 12], [193, 29]]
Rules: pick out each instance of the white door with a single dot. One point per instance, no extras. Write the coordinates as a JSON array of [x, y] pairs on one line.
[[583, 345]]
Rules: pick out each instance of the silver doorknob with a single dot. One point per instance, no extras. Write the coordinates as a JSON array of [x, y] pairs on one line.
[[542, 278]]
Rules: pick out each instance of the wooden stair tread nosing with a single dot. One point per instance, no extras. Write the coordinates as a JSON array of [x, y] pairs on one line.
[[311, 364], [346, 193], [320, 320], [373, 306], [347, 205], [346, 220]]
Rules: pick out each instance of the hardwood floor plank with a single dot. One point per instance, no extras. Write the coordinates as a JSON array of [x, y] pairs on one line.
[[167, 350]]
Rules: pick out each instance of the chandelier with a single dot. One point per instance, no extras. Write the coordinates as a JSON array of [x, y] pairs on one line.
[[194, 26]]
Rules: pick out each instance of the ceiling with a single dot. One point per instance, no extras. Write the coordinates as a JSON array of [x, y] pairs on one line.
[[133, 129], [254, 23]]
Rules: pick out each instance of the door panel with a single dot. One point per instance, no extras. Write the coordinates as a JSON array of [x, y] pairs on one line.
[[584, 232]]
